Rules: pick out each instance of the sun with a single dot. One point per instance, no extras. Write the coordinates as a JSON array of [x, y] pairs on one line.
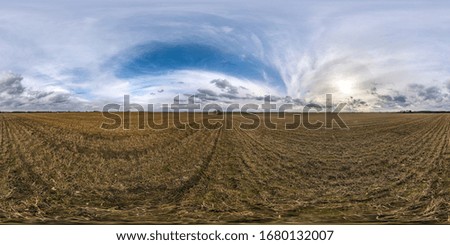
[[345, 86]]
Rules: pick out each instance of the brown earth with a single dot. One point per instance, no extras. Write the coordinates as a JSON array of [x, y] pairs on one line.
[[63, 168]]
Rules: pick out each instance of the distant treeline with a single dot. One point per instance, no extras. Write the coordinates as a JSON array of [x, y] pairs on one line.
[[410, 111]]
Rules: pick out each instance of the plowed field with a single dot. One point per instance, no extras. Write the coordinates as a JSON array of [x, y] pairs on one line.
[[63, 168]]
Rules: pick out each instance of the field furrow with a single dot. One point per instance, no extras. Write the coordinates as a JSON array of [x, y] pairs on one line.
[[63, 168]]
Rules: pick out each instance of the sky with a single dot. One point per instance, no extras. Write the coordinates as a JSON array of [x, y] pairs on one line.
[[82, 55]]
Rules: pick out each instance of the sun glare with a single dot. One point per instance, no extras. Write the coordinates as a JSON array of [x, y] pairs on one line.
[[345, 86]]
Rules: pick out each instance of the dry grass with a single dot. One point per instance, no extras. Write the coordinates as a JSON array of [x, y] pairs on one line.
[[62, 168]]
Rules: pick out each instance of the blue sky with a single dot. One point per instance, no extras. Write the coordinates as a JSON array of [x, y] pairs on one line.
[[374, 55]]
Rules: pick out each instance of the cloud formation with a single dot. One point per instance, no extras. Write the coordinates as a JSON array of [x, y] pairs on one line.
[[225, 86], [14, 96], [374, 56], [11, 84]]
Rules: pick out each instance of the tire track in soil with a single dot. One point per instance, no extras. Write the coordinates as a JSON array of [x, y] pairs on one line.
[[24, 166], [251, 149], [431, 133], [3, 146], [7, 211], [306, 138], [446, 171], [432, 201], [419, 137], [429, 136], [25, 184], [2, 133], [426, 160], [5, 159], [278, 171], [193, 181], [47, 144], [410, 177], [107, 154], [155, 189], [257, 175]]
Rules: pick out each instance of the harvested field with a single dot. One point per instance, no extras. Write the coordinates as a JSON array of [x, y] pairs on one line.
[[63, 168]]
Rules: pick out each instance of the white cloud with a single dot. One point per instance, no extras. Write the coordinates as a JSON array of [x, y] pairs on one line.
[[345, 48], [15, 96]]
